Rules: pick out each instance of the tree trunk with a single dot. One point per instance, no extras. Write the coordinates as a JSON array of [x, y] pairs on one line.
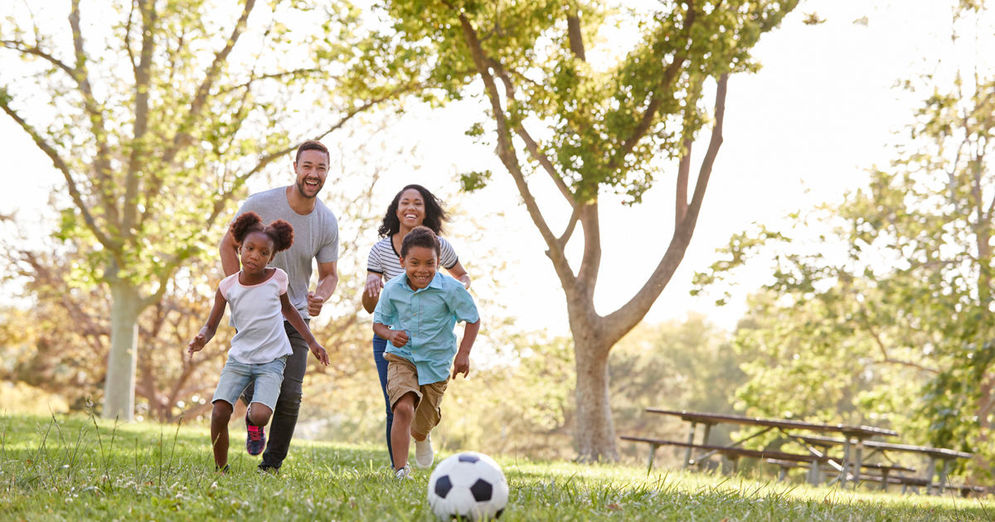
[[594, 430], [119, 387]]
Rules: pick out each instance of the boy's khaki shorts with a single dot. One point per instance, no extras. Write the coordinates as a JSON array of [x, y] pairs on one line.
[[402, 378]]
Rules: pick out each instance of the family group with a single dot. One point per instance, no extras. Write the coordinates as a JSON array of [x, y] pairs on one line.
[[267, 254]]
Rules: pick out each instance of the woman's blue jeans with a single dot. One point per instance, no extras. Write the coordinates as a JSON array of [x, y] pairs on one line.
[[379, 345]]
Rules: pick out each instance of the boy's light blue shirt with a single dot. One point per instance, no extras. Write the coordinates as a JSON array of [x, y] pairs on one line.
[[429, 316]]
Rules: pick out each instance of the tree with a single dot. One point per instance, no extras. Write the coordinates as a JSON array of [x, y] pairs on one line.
[[907, 296], [602, 128], [156, 118]]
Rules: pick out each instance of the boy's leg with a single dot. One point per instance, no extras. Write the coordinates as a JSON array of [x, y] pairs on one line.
[[404, 393], [429, 412], [404, 411], [289, 404], [379, 346], [219, 432]]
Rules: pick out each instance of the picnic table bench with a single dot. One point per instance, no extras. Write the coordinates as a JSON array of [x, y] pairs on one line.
[[854, 438], [945, 457]]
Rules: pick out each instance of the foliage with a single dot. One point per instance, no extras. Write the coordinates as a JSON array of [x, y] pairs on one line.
[[157, 117], [614, 123], [77, 468], [681, 365], [879, 307]]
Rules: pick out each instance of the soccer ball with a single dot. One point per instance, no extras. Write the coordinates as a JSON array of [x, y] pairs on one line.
[[468, 485]]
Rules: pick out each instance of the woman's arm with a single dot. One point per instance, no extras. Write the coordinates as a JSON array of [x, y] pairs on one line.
[[371, 292], [459, 273]]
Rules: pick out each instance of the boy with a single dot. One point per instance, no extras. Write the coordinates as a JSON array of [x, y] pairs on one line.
[[416, 313]]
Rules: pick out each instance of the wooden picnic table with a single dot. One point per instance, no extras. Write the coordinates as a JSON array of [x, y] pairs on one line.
[[854, 437], [945, 456]]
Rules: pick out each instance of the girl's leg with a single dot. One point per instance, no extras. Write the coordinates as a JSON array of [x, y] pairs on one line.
[[379, 346], [404, 412], [219, 432], [258, 413]]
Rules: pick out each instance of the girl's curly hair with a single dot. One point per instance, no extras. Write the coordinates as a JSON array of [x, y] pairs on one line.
[[281, 232]]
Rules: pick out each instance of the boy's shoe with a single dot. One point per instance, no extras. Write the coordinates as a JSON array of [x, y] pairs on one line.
[[222, 471], [403, 473], [255, 439], [424, 454]]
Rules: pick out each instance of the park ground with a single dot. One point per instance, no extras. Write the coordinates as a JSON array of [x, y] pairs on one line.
[[82, 468]]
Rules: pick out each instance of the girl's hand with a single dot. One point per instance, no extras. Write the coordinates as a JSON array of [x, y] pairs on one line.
[[320, 353], [398, 338], [374, 282], [461, 365], [198, 342], [465, 279]]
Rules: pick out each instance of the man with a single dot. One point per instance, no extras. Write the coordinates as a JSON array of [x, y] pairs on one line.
[[316, 236]]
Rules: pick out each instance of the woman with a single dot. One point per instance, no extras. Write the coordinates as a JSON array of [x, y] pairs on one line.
[[414, 205]]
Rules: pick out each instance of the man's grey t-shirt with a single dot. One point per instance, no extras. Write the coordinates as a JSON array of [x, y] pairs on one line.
[[316, 236]]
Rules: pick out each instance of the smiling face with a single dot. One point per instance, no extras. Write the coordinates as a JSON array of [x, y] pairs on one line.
[[256, 252], [420, 264], [411, 208], [311, 168]]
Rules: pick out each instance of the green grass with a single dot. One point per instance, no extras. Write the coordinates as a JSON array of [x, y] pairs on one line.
[[74, 468]]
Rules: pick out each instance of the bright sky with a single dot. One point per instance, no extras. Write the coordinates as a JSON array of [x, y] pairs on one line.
[[801, 131]]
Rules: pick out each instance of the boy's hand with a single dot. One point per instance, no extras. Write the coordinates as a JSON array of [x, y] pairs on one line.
[[320, 353], [461, 365], [398, 338], [198, 342]]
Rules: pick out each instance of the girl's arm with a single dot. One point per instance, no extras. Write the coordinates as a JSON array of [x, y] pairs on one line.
[[294, 318], [371, 292], [459, 273], [461, 364], [209, 329]]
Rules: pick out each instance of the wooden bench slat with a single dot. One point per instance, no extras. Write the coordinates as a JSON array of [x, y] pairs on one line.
[[729, 450]]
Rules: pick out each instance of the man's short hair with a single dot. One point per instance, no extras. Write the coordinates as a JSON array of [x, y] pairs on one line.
[[312, 145]]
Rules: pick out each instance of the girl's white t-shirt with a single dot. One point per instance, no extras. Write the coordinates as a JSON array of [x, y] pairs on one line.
[[257, 315]]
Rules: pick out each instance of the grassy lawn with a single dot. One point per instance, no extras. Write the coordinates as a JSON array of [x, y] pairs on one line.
[[75, 468]]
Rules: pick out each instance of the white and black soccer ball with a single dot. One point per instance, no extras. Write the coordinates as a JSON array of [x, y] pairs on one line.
[[468, 485]]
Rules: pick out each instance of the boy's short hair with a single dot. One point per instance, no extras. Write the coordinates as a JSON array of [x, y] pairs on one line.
[[421, 236]]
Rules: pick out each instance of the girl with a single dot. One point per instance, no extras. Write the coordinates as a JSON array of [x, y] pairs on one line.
[[413, 206], [259, 350]]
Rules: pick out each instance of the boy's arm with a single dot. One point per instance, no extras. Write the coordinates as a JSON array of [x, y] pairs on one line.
[[461, 364], [211, 326], [396, 337], [294, 318]]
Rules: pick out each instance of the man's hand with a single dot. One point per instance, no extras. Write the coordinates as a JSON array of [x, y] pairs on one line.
[[398, 338], [461, 365], [320, 353], [314, 304]]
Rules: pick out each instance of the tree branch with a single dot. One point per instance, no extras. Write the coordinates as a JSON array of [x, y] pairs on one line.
[[183, 136], [669, 75], [143, 81], [628, 315], [63, 167], [506, 151], [530, 143], [681, 192], [104, 186]]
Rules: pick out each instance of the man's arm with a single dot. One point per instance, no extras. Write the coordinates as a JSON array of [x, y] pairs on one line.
[[328, 279], [228, 251]]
